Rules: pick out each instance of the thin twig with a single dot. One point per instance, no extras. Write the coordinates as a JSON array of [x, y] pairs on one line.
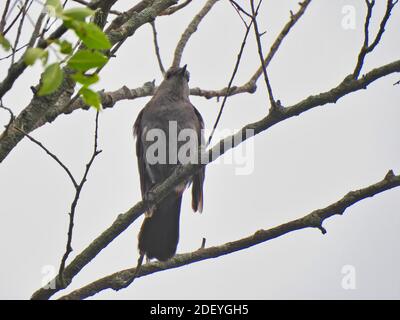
[[24, 11], [51, 154], [238, 11], [78, 189], [235, 69], [191, 28], [294, 18], [260, 53], [16, 50], [3, 17], [125, 16], [366, 47], [89, 5], [174, 9], [12, 116], [157, 48], [15, 18]]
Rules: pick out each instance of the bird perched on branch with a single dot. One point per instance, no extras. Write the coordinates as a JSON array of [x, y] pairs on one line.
[[167, 128]]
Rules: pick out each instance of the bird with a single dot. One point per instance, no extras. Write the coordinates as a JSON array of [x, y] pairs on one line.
[[168, 110]]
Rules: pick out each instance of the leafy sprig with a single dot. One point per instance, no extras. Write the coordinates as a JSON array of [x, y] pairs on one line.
[[84, 60]]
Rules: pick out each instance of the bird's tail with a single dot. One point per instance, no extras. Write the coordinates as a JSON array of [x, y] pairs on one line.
[[159, 234]]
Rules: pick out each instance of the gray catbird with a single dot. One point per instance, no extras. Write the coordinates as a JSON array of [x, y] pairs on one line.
[[169, 113]]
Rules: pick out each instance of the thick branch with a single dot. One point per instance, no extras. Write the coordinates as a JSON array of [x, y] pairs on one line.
[[314, 219]]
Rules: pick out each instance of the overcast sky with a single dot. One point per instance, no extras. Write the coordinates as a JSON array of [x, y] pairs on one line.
[[300, 165]]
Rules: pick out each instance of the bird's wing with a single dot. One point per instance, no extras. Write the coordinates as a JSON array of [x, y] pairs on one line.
[[145, 180], [198, 178]]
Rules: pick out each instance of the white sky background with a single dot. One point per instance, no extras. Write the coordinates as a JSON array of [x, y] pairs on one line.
[[300, 165]]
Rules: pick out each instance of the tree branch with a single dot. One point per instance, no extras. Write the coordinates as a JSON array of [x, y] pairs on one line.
[[12, 116], [52, 155], [125, 16], [24, 9], [78, 190], [314, 219], [235, 69], [157, 48], [3, 16], [148, 14], [192, 28], [260, 52], [184, 172], [367, 48], [28, 119], [176, 8]]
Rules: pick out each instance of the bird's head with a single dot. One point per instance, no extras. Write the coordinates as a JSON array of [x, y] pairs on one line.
[[177, 74], [176, 81]]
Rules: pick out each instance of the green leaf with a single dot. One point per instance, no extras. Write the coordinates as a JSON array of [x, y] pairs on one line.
[[65, 47], [33, 54], [51, 79], [84, 60], [90, 97], [79, 14], [91, 35], [4, 43], [54, 8], [85, 80], [72, 24]]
